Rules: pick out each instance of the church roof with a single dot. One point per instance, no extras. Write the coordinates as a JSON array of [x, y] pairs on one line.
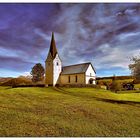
[[78, 68], [53, 50]]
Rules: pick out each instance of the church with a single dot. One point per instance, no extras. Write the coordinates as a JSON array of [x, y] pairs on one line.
[[56, 74]]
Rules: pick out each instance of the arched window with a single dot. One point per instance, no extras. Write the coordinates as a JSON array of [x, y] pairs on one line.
[[57, 63], [91, 81], [76, 78], [69, 79]]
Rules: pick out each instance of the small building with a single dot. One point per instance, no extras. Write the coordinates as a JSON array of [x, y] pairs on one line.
[[74, 74]]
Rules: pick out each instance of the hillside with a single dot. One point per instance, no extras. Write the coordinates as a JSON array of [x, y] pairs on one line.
[[117, 77], [16, 81], [68, 112], [4, 79]]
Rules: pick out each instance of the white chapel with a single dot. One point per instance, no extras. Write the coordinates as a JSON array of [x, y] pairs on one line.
[[55, 73]]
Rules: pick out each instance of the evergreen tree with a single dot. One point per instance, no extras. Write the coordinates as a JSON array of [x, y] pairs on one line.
[[37, 72]]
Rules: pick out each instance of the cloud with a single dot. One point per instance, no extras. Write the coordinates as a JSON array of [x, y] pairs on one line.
[[7, 52], [105, 34], [15, 63], [117, 57], [99, 36]]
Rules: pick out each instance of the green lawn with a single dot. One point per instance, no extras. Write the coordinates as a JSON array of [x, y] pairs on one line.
[[68, 112]]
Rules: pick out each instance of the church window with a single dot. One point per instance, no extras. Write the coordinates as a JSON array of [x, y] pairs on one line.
[[76, 78], [91, 81], [57, 64], [90, 74], [69, 79]]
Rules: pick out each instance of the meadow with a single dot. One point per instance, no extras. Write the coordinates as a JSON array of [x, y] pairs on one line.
[[68, 112]]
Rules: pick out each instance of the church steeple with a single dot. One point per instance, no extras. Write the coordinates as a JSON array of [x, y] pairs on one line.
[[53, 65], [53, 50]]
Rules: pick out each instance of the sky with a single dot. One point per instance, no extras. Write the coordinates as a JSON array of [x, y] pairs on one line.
[[107, 35]]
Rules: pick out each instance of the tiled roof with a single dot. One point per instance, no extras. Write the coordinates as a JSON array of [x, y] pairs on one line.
[[78, 68]]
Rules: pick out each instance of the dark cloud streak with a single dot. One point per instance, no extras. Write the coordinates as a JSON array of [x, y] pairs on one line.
[[15, 63]]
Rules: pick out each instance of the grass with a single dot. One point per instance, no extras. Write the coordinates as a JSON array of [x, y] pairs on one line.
[[68, 112], [137, 85]]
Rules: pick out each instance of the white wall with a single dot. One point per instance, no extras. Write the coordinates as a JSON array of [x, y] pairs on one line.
[[56, 69], [90, 74]]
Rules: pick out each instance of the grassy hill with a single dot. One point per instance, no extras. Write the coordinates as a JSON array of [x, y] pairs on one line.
[[68, 112]]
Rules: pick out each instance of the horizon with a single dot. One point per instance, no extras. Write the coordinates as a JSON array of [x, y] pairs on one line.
[[107, 35]]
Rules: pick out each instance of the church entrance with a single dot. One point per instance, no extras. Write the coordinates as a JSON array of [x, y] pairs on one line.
[[91, 81]]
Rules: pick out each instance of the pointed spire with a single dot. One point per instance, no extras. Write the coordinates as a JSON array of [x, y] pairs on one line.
[[53, 49]]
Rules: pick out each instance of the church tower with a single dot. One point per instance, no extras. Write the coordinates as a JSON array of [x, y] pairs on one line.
[[53, 65]]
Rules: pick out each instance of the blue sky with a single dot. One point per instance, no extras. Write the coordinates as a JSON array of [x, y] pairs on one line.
[[107, 35]]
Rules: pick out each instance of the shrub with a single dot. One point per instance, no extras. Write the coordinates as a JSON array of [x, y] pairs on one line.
[[77, 85], [115, 86]]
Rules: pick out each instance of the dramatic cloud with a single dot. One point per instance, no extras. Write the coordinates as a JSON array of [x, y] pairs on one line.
[[105, 34]]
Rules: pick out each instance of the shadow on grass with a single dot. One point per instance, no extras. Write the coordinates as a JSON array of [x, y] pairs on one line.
[[134, 103], [119, 101]]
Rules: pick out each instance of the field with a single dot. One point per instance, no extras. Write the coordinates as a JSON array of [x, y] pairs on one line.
[[68, 112], [118, 81]]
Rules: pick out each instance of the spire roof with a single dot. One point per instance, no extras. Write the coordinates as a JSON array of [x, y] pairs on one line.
[[53, 50]]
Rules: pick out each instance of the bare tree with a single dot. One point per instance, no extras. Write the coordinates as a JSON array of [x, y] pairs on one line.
[[135, 67]]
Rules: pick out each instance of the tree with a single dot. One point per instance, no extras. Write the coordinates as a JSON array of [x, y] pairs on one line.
[[115, 86], [37, 72], [135, 67]]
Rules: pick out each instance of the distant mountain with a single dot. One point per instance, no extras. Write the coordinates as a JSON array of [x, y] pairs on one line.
[[5, 79], [29, 77], [16, 81]]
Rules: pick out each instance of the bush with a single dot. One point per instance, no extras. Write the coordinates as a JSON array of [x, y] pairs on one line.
[[107, 84], [77, 85], [136, 81], [31, 85], [100, 83], [115, 86]]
